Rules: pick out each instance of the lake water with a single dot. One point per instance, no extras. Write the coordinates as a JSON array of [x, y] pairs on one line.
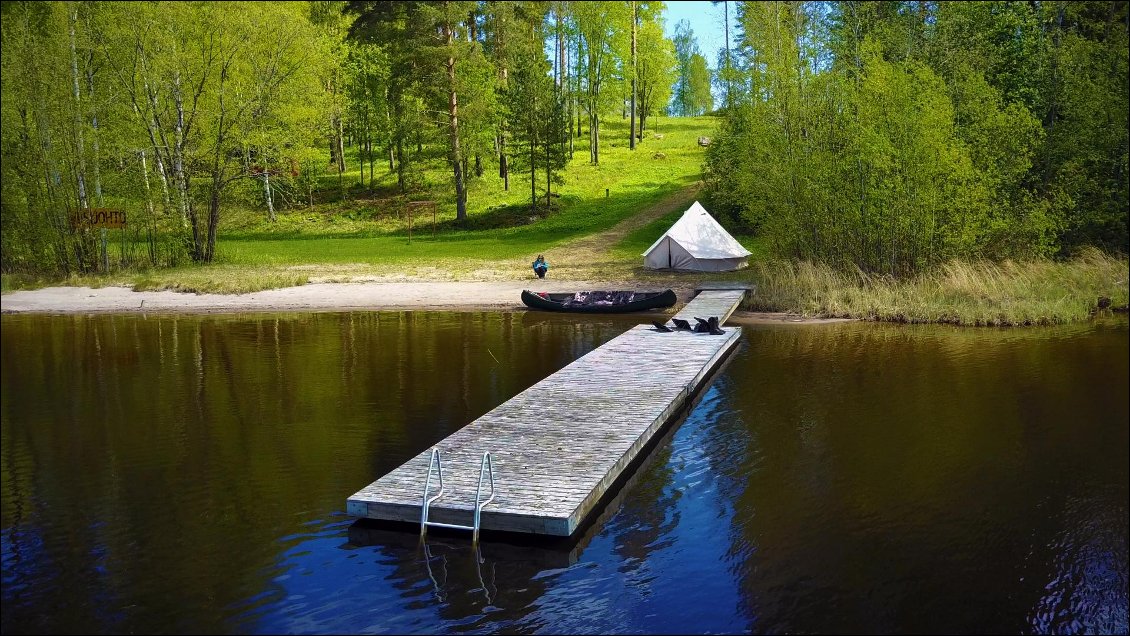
[[189, 475]]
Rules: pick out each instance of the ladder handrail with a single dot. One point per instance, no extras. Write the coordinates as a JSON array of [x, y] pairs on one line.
[[486, 468], [487, 461], [435, 460]]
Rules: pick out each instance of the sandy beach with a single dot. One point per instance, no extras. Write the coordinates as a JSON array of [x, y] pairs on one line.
[[422, 295]]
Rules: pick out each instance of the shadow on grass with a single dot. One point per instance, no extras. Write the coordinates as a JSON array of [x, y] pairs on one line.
[[675, 124], [505, 216], [496, 234]]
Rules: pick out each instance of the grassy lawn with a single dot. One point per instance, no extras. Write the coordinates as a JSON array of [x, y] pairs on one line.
[[370, 233]]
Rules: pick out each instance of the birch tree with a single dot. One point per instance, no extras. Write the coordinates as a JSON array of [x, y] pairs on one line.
[[602, 39]]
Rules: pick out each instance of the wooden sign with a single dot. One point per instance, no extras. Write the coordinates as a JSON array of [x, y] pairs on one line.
[[99, 217]]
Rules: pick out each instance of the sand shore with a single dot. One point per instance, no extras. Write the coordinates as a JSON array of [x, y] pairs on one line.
[[424, 295]]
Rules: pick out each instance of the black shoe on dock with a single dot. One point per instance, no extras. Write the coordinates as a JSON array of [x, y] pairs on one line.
[[681, 324], [715, 330], [661, 326]]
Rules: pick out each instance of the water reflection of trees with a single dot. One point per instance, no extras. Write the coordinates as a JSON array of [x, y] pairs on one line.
[[154, 467], [896, 473], [159, 473]]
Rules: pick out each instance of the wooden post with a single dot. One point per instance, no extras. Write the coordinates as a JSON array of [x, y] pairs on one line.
[[411, 205]]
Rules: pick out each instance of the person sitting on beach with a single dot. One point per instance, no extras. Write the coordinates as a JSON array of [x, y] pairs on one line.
[[540, 266]]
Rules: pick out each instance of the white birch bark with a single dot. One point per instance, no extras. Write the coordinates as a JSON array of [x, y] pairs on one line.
[[81, 152]]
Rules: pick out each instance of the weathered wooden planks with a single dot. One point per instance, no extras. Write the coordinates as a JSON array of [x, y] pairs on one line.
[[561, 444], [719, 303]]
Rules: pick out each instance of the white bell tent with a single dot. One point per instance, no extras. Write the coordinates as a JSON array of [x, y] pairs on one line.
[[696, 242]]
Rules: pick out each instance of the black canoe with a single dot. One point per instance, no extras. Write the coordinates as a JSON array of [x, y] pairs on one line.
[[599, 302]]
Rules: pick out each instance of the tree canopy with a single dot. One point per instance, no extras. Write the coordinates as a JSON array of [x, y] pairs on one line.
[[892, 136]]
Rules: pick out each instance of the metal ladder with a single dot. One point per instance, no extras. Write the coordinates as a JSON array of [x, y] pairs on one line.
[[487, 468]]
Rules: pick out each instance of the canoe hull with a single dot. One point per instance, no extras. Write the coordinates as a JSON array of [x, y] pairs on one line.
[[557, 302]]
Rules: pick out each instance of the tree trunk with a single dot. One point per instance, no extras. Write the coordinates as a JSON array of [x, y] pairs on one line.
[[213, 223], [152, 218], [533, 175], [729, 88], [178, 155], [596, 139], [391, 133], [453, 114], [340, 139], [94, 130], [568, 130], [400, 163], [416, 130], [503, 164], [635, 73], [594, 133], [164, 181], [559, 71], [360, 160], [577, 92], [270, 199], [80, 171], [563, 86]]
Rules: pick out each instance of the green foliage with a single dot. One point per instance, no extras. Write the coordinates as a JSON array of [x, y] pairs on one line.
[[685, 46], [152, 108], [536, 115], [657, 70], [692, 86], [892, 137], [604, 29], [698, 97]]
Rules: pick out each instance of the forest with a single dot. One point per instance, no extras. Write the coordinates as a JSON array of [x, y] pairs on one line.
[[884, 137], [177, 111], [894, 136]]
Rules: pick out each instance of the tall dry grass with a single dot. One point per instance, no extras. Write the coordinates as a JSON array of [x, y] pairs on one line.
[[1038, 292]]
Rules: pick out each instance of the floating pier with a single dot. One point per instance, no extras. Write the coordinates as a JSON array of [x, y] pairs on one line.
[[559, 446]]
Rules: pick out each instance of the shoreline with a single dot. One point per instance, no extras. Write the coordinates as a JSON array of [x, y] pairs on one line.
[[360, 296]]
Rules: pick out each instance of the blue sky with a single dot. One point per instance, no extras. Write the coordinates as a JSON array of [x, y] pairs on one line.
[[707, 23]]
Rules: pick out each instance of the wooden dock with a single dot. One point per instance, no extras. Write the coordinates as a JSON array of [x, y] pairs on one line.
[[560, 445]]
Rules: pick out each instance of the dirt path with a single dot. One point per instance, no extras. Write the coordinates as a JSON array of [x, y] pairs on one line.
[[594, 248]]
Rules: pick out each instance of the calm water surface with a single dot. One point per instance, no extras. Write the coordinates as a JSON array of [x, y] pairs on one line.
[[189, 475]]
